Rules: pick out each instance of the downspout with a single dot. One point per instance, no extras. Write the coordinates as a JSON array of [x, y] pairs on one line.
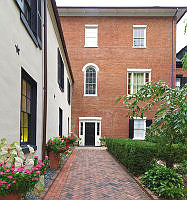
[[45, 82], [173, 34]]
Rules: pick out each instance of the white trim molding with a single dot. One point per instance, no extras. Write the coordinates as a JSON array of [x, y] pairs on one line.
[[82, 127], [136, 27], [84, 70], [132, 71], [91, 36]]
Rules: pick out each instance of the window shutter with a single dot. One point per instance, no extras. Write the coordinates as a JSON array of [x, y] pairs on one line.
[[69, 91], [34, 17], [39, 23], [59, 66], [62, 76], [148, 122], [183, 81], [20, 3], [131, 128]]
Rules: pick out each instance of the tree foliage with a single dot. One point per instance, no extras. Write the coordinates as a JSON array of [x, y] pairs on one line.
[[184, 62], [170, 120]]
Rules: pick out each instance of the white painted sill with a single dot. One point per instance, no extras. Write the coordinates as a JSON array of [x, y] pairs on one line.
[[90, 46]]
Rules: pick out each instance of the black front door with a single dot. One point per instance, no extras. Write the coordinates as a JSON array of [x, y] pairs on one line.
[[89, 134]]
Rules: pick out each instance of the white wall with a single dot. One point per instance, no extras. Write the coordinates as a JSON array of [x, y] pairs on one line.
[[56, 98], [13, 32]]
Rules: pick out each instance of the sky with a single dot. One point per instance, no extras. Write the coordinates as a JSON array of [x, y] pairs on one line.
[[181, 38]]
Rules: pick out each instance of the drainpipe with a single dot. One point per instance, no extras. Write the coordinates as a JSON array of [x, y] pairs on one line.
[[173, 26], [45, 82]]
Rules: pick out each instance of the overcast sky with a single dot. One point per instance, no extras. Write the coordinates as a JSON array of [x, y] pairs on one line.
[[181, 38]]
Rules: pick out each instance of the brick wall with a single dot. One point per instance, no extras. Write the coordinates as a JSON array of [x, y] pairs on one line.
[[113, 56]]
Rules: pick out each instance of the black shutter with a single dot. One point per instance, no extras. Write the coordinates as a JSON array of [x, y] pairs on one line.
[[60, 121], [59, 67], [131, 128], [68, 92], [39, 23], [148, 122], [34, 17], [183, 81], [20, 3], [62, 76]]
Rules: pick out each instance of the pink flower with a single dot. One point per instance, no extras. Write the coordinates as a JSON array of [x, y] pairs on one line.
[[14, 181], [38, 172], [44, 172], [13, 165], [10, 177], [7, 171], [8, 185], [33, 168], [2, 163], [43, 164], [1, 173], [35, 157], [37, 179], [46, 157]]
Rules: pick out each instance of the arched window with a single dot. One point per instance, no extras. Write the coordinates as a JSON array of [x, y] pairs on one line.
[[90, 79]]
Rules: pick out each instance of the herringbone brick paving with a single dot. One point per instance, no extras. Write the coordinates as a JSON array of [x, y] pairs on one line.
[[95, 175]]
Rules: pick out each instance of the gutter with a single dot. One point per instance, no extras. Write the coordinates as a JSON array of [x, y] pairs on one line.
[[53, 2], [173, 26], [45, 82]]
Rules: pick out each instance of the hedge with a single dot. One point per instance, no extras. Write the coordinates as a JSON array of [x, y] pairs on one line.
[[140, 156], [137, 156]]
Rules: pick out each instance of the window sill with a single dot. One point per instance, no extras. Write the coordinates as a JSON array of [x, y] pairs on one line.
[[139, 47], [25, 148], [90, 95], [28, 29], [138, 138], [90, 46]]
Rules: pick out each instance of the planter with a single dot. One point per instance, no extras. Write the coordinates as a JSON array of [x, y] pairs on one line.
[[11, 196], [54, 159]]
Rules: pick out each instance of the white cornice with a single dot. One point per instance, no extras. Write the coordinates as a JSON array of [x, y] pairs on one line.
[[121, 11]]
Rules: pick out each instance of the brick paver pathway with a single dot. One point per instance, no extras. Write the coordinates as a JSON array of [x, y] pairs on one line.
[[93, 174]]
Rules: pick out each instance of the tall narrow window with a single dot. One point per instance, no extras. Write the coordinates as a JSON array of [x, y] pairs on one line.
[[60, 121], [68, 125], [90, 79], [98, 128], [136, 79], [91, 36], [139, 36], [28, 110], [60, 71], [81, 129]]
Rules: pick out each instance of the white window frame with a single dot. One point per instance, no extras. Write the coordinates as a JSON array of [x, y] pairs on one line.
[[178, 83], [84, 70], [136, 27], [132, 71], [139, 118], [92, 120], [94, 26]]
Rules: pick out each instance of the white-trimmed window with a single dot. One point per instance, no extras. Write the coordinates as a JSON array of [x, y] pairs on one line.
[[91, 36], [139, 129], [136, 78], [139, 36], [90, 79]]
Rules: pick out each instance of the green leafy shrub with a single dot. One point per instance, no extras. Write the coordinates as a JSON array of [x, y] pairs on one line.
[[182, 168], [172, 154], [137, 156], [70, 139], [165, 182]]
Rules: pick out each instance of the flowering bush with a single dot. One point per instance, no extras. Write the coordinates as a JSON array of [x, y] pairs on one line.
[[17, 173], [70, 139], [57, 145]]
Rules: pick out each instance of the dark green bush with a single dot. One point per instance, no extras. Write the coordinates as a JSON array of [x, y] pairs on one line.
[[182, 168], [173, 154], [137, 156], [165, 182]]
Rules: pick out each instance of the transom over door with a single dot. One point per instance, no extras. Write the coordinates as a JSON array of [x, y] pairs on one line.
[[90, 133]]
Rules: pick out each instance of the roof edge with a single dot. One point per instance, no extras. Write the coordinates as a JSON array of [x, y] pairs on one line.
[[54, 6]]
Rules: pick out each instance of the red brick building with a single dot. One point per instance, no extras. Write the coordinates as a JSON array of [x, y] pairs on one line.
[[113, 52]]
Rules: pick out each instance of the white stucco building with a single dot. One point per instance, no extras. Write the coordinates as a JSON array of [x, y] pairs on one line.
[[25, 53]]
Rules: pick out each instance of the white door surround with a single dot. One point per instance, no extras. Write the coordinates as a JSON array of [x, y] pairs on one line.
[[82, 134]]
